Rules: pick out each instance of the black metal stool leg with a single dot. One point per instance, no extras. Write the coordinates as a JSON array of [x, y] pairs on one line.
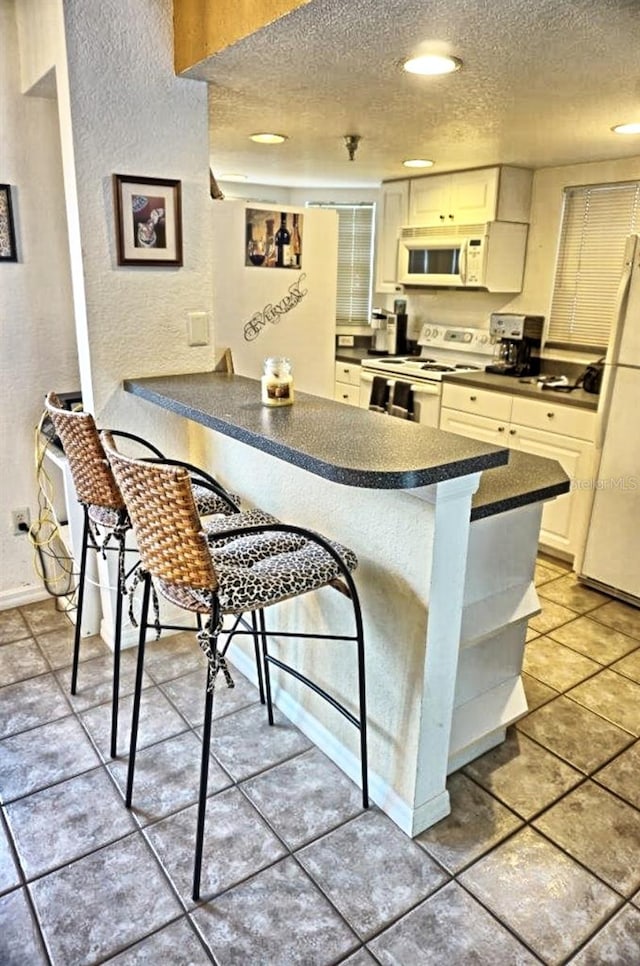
[[202, 797], [265, 656], [135, 716], [80, 605], [117, 644], [256, 646]]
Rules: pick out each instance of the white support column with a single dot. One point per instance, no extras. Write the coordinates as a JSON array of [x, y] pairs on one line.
[[452, 505]]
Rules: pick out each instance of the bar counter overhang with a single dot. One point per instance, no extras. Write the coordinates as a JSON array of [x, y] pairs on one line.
[[445, 529]]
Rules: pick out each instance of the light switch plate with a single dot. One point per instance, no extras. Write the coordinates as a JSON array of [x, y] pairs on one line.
[[197, 328]]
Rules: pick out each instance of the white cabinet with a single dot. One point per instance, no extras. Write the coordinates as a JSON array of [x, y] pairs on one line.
[[347, 384], [471, 197], [555, 431], [391, 214]]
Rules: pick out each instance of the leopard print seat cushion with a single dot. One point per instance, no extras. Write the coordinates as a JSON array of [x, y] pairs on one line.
[[104, 516], [236, 521], [261, 569], [209, 503]]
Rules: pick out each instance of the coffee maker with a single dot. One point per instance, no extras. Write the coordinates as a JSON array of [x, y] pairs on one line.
[[517, 341], [388, 333]]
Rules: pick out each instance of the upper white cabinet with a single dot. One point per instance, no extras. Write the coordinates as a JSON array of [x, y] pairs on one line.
[[392, 212], [470, 197]]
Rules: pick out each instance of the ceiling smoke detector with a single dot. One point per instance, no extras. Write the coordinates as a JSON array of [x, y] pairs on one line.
[[351, 142]]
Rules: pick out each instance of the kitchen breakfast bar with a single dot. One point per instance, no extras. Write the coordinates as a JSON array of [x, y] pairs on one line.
[[445, 529]]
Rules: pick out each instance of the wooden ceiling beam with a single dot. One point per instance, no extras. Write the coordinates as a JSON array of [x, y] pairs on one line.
[[202, 28]]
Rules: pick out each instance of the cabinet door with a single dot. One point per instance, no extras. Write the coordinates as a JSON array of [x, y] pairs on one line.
[[392, 214], [476, 427], [345, 393], [430, 201], [564, 518], [474, 196]]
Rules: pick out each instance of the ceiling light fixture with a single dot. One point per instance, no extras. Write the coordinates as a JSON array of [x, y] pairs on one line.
[[432, 64], [266, 138], [418, 163], [632, 128], [351, 142]]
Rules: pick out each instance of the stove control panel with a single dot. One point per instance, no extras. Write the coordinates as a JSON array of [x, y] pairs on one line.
[[454, 337]]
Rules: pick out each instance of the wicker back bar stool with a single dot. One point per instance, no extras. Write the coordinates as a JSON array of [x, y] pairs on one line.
[[106, 519], [230, 573]]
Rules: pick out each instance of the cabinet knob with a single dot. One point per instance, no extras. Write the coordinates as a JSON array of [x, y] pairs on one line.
[[512, 432], [550, 415], [501, 429], [451, 217], [441, 217], [473, 398], [345, 395]]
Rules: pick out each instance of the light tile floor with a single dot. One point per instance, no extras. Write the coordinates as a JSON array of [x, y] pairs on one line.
[[539, 861]]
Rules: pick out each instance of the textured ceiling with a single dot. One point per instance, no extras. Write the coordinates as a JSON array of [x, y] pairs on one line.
[[542, 84]]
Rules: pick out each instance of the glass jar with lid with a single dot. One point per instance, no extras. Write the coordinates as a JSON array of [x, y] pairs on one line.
[[277, 382]]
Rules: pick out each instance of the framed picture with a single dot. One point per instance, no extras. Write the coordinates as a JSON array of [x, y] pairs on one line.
[[273, 239], [8, 251], [148, 220]]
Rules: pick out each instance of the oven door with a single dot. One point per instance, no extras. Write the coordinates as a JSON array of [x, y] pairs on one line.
[[426, 396]]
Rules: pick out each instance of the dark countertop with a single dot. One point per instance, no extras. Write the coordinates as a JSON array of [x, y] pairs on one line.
[[526, 479], [511, 384], [353, 446], [355, 355], [344, 444]]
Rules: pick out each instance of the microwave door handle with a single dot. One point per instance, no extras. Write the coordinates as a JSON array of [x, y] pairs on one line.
[[462, 264]]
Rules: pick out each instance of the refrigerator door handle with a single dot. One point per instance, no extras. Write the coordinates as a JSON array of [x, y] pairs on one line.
[[622, 294]]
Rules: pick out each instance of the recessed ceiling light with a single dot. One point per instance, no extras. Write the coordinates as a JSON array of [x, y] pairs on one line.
[[417, 163], [432, 64], [268, 138], [633, 128]]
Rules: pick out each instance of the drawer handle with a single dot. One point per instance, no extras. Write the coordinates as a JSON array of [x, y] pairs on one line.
[[501, 429], [345, 395], [550, 415], [512, 432], [473, 398]]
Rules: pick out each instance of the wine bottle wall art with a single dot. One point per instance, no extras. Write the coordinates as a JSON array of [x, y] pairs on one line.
[[273, 239]]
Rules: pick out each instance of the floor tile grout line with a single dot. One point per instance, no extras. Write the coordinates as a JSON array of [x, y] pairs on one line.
[[505, 925]]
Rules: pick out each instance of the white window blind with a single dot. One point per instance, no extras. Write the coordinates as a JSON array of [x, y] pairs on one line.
[[355, 261], [595, 225]]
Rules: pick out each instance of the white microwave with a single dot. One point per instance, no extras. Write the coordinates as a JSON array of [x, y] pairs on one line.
[[489, 257]]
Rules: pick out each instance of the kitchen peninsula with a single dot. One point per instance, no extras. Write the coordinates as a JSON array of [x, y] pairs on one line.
[[445, 529]]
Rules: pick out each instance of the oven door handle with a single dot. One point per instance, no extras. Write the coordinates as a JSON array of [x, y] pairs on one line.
[[426, 388]]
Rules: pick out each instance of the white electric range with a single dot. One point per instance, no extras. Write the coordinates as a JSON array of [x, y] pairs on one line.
[[410, 386]]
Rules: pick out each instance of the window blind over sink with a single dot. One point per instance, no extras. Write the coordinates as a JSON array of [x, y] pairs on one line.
[[596, 222], [355, 260]]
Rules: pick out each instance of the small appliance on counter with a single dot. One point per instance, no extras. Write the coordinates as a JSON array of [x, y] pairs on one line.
[[517, 341], [388, 333]]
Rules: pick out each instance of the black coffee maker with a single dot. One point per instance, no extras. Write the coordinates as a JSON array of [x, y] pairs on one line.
[[517, 341]]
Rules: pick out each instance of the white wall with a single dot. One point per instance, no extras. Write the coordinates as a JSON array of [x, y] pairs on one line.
[[121, 109], [37, 344]]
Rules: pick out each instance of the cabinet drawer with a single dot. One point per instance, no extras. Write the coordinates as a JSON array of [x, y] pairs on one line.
[[345, 393], [554, 418], [348, 372], [496, 405]]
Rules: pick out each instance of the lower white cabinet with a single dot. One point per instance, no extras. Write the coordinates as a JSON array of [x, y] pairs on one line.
[[555, 431], [347, 384]]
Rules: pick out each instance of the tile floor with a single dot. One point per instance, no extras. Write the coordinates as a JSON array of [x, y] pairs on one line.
[[539, 861]]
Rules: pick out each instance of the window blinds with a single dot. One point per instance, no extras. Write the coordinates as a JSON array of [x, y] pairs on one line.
[[596, 222], [355, 261]]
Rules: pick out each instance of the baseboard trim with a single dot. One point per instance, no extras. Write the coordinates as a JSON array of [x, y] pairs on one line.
[[20, 596]]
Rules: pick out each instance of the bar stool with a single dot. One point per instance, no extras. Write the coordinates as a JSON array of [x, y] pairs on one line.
[[240, 570], [104, 510]]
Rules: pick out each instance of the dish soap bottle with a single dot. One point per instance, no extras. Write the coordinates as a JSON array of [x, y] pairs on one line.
[[277, 382]]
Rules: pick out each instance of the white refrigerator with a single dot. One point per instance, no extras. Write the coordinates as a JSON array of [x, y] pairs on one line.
[[611, 558], [275, 294]]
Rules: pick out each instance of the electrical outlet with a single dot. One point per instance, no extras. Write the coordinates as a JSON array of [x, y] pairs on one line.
[[21, 520], [345, 340]]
